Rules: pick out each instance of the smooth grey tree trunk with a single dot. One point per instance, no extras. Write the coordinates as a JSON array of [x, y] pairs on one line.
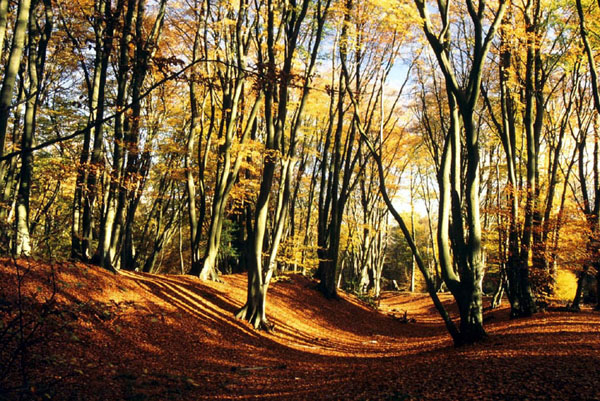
[[10, 73]]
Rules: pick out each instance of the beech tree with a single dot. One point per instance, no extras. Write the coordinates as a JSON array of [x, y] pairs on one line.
[[465, 249], [281, 139], [39, 36], [233, 78], [91, 163], [12, 67], [130, 163], [343, 158], [590, 196]]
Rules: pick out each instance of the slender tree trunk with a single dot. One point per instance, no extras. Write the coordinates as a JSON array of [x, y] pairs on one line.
[[11, 180], [37, 46], [3, 24], [412, 228], [339, 174], [196, 217], [467, 253], [591, 211], [277, 145], [110, 223], [10, 73], [105, 42], [83, 170], [499, 292]]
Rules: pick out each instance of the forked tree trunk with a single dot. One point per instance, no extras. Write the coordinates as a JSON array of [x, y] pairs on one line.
[[463, 97], [337, 188], [259, 276], [111, 216], [277, 145], [96, 162], [228, 167]]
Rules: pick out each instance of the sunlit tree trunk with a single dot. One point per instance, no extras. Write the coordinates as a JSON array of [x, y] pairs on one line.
[[591, 210], [527, 304], [3, 24], [138, 160], [37, 45], [197, 213], [96, 161], [11, 179], [339, 173], [10, 73], [88, 170], [279, 148], [466, 287], [130, 164], [165, 213], [110, 220]]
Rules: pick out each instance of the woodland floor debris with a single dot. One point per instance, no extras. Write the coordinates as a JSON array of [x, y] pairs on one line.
[[135, 336]]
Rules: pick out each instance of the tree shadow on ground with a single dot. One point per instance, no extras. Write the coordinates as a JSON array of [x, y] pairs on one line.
[[170, 337]]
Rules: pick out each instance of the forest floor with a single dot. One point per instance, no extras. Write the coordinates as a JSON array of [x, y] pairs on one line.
[[133, 336]]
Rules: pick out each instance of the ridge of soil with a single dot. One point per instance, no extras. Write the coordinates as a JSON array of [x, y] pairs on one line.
[[135, 336]]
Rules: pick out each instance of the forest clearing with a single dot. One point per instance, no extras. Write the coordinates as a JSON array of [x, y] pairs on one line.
[[136, 336]]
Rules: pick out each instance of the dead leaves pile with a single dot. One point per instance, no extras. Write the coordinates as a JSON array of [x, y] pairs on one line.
[[144, 337]]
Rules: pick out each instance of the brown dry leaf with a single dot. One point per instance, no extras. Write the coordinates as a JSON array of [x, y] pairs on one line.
[[138, 336]]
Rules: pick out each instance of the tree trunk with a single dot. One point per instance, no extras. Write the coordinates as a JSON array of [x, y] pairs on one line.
[[10, 74], [471, 319], [112, 216], [581, 279], [467, 290], [342, 166], [258, 277], [275, 91], [471, 309], [3, 23], [499, 292], [38, 41], [196, 217], [81, 229], [254, 311], [96, 162]]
